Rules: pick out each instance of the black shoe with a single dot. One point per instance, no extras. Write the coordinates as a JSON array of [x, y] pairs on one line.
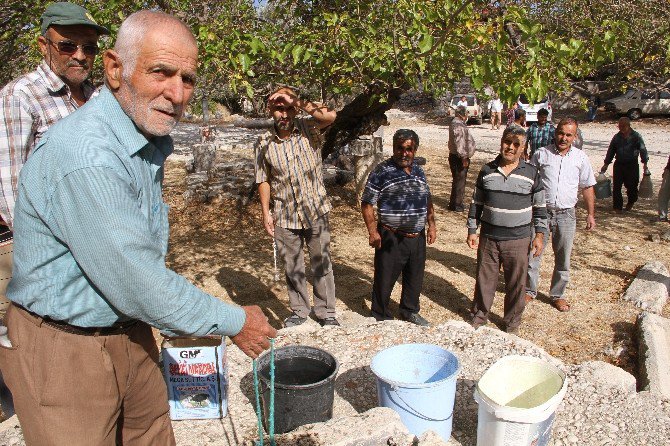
[[329, 321], [294, 320], [512, 330], [629, 206], [416, 319]]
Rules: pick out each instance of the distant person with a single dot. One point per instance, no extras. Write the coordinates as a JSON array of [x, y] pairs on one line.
[[626, 146], [593, 103], [399, 189], [509, 114], [664, 194], [564, 171], [519, 118], [508, 200], [289, 174], [461, 148], [539, 134], [579, 140], [495, 107], [463, 102], [90, 279]]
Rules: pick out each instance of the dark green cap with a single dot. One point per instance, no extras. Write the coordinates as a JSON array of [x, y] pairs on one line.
[[66, 14]]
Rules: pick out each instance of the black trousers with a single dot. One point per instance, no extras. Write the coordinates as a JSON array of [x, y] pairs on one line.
[[459, 173], [628, 175], [397, 255]]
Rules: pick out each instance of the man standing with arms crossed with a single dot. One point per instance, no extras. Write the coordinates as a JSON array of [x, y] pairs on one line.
[[399, 189], [288, 170], [34, 102], [89, 269], [564, 170]]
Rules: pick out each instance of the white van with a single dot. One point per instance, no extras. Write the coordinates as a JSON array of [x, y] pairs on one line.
[[531, 110]]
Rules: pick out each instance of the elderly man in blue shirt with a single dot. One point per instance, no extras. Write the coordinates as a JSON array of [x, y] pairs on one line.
[[89, 269]]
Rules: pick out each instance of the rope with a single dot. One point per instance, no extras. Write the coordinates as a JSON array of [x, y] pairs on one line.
[[259, 410], [274, 249]]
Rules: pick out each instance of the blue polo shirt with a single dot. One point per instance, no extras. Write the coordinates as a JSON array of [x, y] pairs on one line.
[[401, 198], [91, 230]]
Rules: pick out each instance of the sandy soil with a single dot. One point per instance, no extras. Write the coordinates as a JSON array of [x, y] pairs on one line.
[[222, 248]]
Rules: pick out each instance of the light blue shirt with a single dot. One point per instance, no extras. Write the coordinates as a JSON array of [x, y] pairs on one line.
[[91, 231]]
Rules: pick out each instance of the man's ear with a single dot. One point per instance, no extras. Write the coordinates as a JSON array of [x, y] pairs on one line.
[[113, 69], [43, 45]]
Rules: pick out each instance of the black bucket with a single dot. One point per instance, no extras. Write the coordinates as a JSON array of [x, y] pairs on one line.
[[304, 386]]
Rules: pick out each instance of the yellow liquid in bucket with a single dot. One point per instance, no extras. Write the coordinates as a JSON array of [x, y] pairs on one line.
[[537, 395]]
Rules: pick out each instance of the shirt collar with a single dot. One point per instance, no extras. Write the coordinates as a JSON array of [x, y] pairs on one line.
[[275, 136], [522, 163], [125, 129]]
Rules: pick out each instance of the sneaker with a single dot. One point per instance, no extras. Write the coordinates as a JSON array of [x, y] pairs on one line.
[[416, 319], [329, 321], [658, 219], [294, 320]]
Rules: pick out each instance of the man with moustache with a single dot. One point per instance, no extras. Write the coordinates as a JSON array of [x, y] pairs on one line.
[[91, 236], [34, 102], [508, 201], [564, 171], [399, 189], [289, 173]]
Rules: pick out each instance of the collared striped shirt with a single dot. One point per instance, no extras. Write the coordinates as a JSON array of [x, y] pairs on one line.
[[539, 136], [293, 169], [563, 175], [30, 105], [507, 205], [401, 197]]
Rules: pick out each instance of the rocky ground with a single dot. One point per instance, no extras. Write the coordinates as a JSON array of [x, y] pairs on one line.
[[222, 248]]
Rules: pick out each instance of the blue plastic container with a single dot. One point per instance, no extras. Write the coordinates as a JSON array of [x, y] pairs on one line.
[[418, 381]]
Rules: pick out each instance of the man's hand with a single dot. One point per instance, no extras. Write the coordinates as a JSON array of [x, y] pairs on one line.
[[537, 245], [432, 234], [465, 162], [269, 224], [283, 98], [603, 169], [253, 339], [473, 241], [375, 239], [590, 222]]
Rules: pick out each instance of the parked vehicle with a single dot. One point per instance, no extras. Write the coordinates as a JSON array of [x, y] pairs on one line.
[[637, 103], [531, 110], [474, 109]]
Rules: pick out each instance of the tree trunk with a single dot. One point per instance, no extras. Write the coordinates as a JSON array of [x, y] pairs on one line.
[[205, 109]]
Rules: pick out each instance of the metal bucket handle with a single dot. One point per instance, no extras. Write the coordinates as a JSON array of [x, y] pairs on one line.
[[415, 412]]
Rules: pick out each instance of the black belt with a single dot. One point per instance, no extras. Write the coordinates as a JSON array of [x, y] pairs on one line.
[[116, 328], [401, 233]]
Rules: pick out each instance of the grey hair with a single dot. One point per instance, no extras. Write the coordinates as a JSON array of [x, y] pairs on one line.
[[402, 135], [134, 29], [567, 121], [461, 111], [514, 130]]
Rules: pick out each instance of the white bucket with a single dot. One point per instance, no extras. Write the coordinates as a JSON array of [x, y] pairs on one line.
[[518, 397]]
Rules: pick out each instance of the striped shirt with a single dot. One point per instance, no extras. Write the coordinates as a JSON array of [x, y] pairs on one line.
[[563, 175], [29, 106], [401, 198], [507, 205], [293, 169], [92, 231], [539, 136]]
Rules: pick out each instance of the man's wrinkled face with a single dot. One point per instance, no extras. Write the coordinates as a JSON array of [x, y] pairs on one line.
[[158, 90], [541, 120], [403, 153], [283, 115], [565, 134], [72, 68], [511, 148]]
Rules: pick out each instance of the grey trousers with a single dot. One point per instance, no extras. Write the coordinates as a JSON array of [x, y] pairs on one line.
[[562, 225], [664, 195], [513, 256], [290, 244]]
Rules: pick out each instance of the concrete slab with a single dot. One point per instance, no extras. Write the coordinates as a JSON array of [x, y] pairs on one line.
[[654, 356], [649, 289]]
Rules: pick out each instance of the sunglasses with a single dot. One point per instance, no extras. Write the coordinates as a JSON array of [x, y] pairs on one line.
[[69, 47]]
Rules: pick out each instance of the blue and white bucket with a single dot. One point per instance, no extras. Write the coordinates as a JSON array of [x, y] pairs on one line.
[[418, 381]]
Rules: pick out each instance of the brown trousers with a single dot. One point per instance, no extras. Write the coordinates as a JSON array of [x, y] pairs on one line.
[[513, 256], [72, 389], [6, 256]]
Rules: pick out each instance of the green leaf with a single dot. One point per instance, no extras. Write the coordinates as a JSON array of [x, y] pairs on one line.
[[297, 51], [426, 43], [245, 61]]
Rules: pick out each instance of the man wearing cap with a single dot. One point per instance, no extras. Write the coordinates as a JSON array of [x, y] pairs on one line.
[[34, 102]]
